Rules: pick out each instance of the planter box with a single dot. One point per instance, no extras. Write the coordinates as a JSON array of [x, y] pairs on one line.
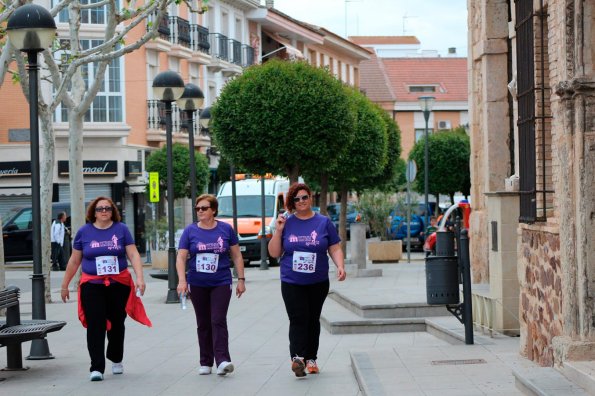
[[385, 251], [159, 259]]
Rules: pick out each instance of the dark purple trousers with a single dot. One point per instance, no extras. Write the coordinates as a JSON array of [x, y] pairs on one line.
[[210, 306]]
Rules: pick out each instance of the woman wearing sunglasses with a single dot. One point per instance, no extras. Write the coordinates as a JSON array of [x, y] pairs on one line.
[[107, 292], [203, 264], [302, 240]]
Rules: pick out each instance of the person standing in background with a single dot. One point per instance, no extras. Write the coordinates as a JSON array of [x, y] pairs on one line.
[[57, 239]]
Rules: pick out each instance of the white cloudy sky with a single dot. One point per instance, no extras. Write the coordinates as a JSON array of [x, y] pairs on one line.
[[438, 24]]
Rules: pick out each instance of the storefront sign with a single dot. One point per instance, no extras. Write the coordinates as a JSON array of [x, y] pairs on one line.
[[15, 169], [133, 168], [92, 168]]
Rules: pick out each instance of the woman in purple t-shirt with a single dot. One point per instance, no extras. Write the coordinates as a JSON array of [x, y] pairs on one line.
[[101, 247], [207, 248], [302, 240]]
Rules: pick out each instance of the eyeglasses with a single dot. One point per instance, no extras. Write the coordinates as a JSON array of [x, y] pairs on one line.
[[302, 198], [202, 208], [100, 209]]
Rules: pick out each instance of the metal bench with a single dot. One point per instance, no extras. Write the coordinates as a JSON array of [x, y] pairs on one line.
[[13, 332]]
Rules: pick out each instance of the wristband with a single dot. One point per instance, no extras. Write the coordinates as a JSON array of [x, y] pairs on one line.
[[244, 279]]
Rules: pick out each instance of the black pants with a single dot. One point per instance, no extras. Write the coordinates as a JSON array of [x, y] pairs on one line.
[[304, 305], [101, 303], [58, 259]]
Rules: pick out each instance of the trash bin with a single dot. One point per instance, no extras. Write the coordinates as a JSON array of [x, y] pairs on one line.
[[442, 280], [445, 243]]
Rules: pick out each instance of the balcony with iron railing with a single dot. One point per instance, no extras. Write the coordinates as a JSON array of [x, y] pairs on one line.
[[235, 49], [219, 46], [199, 44], [180, 31], [247, 55], [156, 125]]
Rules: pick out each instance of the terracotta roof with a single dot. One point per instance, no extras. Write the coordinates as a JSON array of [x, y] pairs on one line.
[[374, 80], [378, 40], [448, 74]]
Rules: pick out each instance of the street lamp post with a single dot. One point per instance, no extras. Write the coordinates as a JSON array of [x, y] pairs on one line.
[[191, 100], [168, 86], [32, 29], [426, 103]]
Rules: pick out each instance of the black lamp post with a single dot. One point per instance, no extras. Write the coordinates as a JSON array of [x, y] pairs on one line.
[[168, 86], [191, 100], [426, 103], [31, 29]]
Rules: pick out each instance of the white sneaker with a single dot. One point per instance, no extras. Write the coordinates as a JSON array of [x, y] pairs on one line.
[[204, 370], [225, 368], [96, 376], [117, 368]]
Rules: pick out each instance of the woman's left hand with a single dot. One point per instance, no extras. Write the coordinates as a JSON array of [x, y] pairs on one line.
[[140, 285], [341, 274], [240, 288]]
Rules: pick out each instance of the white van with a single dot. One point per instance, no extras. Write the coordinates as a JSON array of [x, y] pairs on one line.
[[248, 198]]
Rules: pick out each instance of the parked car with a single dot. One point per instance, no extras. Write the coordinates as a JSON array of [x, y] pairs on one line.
[[398, 225], [353, 215], [18, 232]]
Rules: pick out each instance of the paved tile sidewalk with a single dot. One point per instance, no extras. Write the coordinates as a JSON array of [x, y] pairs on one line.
[[163, 360]]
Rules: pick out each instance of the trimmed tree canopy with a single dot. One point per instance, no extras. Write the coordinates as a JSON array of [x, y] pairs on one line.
[[366, 156], [449, 154], [157, 162], [283, 117]]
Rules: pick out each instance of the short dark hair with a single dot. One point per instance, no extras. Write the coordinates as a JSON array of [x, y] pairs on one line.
[[212, 202], [293, 190], [61, 215], [91, 209]]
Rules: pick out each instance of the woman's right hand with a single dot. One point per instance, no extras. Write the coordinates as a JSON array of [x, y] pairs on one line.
[[280, 223], [182, 287], [65, 294]]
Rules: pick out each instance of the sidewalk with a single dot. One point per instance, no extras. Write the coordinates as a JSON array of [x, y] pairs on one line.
[[163, 360]]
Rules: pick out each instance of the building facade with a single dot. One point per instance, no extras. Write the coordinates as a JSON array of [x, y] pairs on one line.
[[125, 123], [398, 73], [532, 90]]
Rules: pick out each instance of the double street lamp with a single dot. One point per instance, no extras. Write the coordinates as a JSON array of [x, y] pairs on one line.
[[191, 100], [168, 87], [32, 29], [426, 103]]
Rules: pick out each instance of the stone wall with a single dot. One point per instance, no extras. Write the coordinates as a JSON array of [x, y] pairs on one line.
[[540, 276]]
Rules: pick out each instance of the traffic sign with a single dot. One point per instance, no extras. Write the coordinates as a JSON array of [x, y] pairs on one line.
[[411, 171], [154, 186]]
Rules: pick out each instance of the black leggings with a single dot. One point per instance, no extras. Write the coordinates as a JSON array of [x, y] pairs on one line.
[[304, 305], [101, 303]]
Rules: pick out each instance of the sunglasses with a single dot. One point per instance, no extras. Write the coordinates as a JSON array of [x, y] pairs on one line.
[[302, 198], [100, 209], [202, 208]]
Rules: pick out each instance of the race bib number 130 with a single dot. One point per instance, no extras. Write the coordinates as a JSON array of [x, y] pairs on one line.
[[207, 262], [304, 262]]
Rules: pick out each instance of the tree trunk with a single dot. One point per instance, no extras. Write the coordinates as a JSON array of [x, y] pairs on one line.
[[75, 176], [293, 173], [343, 221], [47, 173], [323, 193]]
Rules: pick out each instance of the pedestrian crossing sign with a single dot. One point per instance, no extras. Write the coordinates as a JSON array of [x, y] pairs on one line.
[[154, 186]]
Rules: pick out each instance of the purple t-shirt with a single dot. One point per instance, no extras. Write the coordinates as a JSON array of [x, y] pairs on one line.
[[209, 260], [300, 239], [94, 242]]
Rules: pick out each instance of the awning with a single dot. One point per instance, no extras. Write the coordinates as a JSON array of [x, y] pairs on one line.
[[292, 52]]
